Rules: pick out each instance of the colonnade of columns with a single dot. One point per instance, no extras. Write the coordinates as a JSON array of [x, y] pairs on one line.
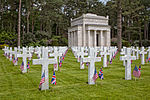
[[91, 40], [73, 38]]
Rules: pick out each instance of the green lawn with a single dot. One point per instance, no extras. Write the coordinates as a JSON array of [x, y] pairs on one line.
[[72, 82]]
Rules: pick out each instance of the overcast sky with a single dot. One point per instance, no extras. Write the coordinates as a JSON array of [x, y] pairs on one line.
[[104, 1]]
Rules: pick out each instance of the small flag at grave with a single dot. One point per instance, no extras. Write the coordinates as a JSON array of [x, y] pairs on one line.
[[22, 66], [79, 58], [146, 59], [87, 64], [14, 60], [95, 75], [107, 61], [136, 72], [149, 60], [101, 74], [60, 64], [28, 65], [53, 81], [131, 61], [140, 68], [111, 61], [42, 80]]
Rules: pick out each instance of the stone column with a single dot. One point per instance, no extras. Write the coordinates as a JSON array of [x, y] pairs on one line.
[[73, 39], [101, 38], [89, 38], [108, 38], [69, 39], [95, 40], [77, 38], [83, 32]]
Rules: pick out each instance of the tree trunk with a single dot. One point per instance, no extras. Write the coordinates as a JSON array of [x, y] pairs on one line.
[[19, 21], [32, 25], [28, 14], [119, 24], [23, 32], [2, 16], [145, 30]]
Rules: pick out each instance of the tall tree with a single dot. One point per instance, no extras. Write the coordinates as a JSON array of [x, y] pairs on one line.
[[119, 24], [19, 21]]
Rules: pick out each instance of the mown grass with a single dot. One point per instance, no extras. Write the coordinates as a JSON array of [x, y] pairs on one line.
[[72, 82]]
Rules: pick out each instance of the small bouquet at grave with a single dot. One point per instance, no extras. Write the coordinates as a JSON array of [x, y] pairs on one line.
[[101, 74], [95, 75], [149, 60], [137, 72]]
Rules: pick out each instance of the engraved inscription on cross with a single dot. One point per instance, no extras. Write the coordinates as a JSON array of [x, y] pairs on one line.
[[91, 67], [24, 55], [44, 61], [128, 58]]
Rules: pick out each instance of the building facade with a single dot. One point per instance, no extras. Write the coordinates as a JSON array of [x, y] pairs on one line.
[[89, 30]]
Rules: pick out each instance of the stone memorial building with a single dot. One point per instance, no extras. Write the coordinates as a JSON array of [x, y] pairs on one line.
[[89, 30]]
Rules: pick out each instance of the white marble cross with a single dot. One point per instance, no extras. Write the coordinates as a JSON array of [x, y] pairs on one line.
[[110, 54], [133, 51], [137, 52], [7, 53], [128, 57], [56, 54], [91, 67], [81, 55], [38, 52], [148, 50], [15, 55], [124, 52], [10, 54], [105, 53], [5, 50], [30, 51], [142, 52], [24, 55], [44, 61]]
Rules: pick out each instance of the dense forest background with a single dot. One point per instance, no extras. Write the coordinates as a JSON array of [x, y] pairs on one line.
[[46, 22]]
